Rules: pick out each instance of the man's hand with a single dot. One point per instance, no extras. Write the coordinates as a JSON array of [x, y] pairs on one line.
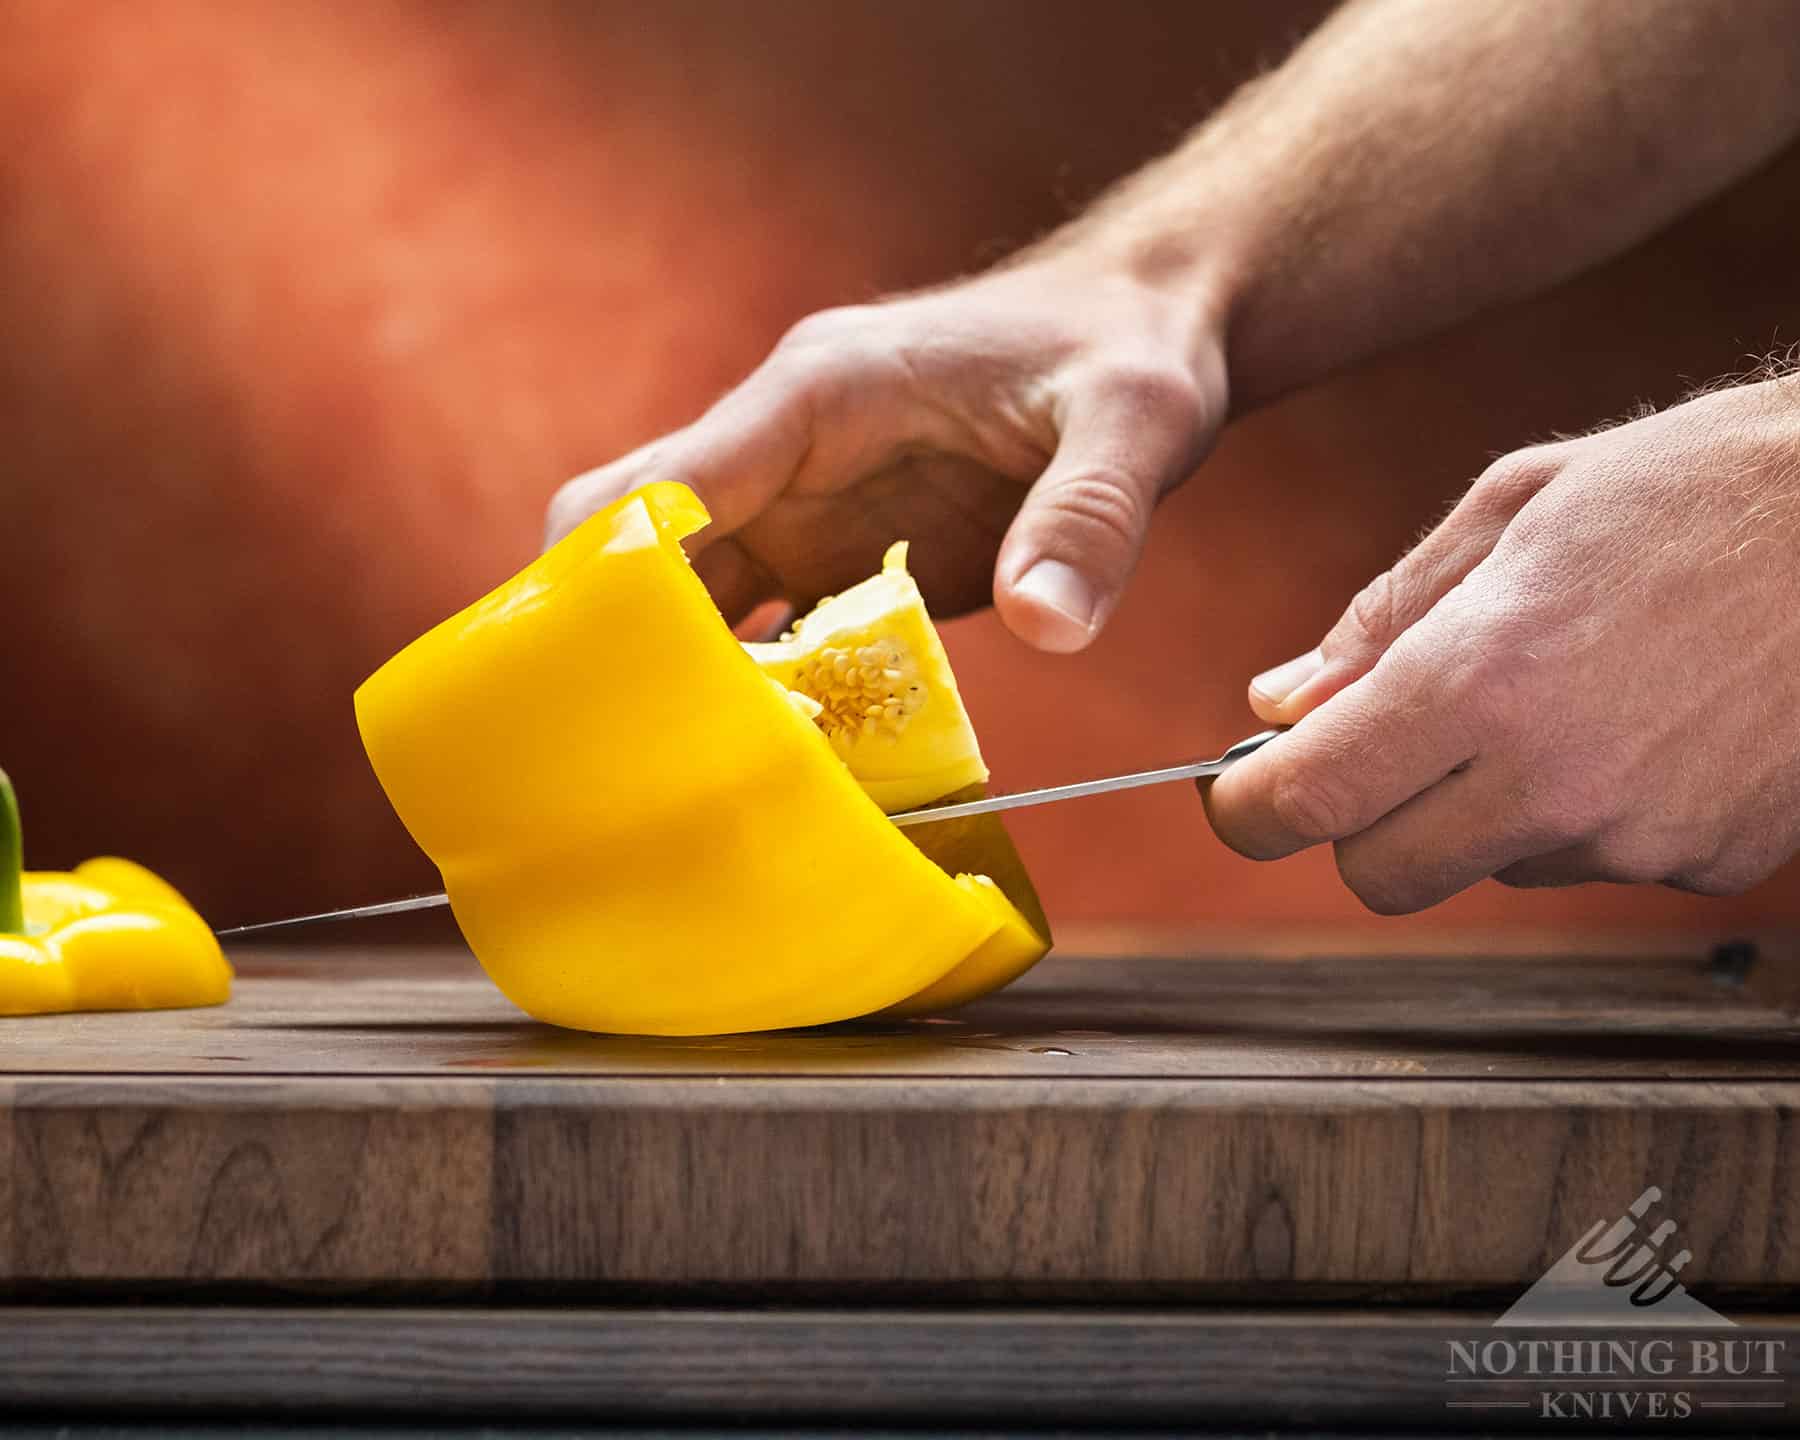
[[1033, 416], [1411, 163], [1589, 671]]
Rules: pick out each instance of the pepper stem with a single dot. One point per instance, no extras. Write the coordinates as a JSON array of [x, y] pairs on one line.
[[12, 862]]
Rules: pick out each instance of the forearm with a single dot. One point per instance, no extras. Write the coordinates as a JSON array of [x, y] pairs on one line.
[[1416, 161]]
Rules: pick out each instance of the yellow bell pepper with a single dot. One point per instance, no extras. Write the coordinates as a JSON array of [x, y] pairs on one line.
[[639, 831], [981, 842], [108, 935]]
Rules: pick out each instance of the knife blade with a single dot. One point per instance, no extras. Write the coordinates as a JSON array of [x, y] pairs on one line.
[[926, 815], [1018, 799]]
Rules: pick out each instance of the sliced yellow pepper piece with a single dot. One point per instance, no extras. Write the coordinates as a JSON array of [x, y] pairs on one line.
[[980, 843], [638, 831], [108, 935]]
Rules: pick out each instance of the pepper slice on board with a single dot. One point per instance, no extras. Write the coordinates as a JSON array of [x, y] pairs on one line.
[[638, 830], [108, 935]]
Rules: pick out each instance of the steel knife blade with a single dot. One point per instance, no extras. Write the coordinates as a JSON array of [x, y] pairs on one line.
[[926, 815]]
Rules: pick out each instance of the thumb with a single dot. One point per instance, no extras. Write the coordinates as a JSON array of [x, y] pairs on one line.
[[1397, 599], [1070, 551]]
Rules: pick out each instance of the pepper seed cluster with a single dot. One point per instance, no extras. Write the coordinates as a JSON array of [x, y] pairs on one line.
[[869, 689]]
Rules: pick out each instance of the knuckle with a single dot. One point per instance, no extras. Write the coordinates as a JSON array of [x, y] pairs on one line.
[[1491, 683], [1555, 821], [1101, 509], [1368, 620], [1309, 806], [806, 382], [1717, 882], [1383, 898], [1723, 872], [1514, 478], [1566, 813], [1625, 868], [829, 362], [1228, 825], [1382, 889], [1631, 860], [1152, 389], [822, 327]]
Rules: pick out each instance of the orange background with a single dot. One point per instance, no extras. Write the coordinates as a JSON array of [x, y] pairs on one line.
[[308, 307]]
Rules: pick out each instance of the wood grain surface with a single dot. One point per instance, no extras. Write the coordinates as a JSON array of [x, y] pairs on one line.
[[1231, 1126], [1044, 1366], [1669, 1011], [926, 1187]]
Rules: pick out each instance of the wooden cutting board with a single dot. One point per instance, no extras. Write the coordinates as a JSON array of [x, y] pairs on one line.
[[1236, 1184], [1267, 1121]]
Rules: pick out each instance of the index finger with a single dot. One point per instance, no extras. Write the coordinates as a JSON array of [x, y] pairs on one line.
[[1365, 752], [737, 458]]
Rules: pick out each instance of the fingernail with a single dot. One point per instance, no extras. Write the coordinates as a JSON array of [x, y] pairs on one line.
[[1062, 589], [1276, 685]]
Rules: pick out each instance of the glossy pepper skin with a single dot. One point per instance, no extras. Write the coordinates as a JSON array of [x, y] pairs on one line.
[[638, 830], [108, 935]]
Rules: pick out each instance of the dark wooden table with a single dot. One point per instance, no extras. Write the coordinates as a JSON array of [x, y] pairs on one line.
[[1245, 1184]]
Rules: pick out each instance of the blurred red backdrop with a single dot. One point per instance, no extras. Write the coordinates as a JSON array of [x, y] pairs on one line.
[[309, 307]]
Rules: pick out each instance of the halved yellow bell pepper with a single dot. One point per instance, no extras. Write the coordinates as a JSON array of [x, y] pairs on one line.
[[108, 935], [638, 830]]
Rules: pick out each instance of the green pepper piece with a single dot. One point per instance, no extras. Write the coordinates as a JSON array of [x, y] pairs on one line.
[[12, 862]]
